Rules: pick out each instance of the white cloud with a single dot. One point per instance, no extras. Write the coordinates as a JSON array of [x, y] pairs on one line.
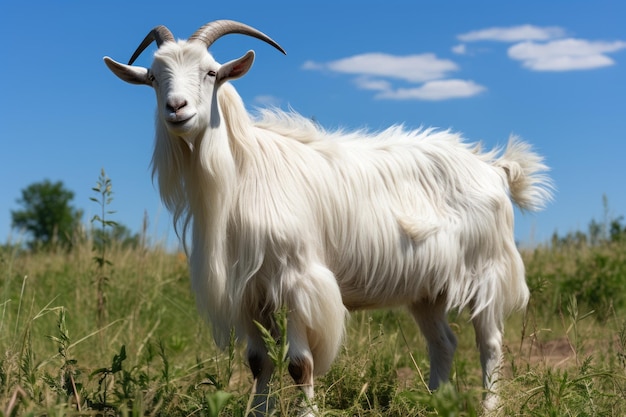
[[312, 65], [380, 72], [267, 101], [435, 91], [412, 68], [513, 34], [460, 49], [565, 54], [544, 49], [367, 83]]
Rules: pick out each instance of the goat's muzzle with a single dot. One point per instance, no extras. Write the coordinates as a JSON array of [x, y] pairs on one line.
[[177, 111]]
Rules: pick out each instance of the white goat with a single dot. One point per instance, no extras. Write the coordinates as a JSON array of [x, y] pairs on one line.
[[285, 214]]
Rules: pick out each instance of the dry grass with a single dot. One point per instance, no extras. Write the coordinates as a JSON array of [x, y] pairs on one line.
[[154, 356]]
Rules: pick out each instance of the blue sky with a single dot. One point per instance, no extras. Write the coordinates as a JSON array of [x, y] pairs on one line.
[[552, 72]]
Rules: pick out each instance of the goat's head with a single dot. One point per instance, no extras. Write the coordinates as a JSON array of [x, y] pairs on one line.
[[185, 76]]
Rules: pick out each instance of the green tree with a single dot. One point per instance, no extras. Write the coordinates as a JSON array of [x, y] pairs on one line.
[[47, 214]]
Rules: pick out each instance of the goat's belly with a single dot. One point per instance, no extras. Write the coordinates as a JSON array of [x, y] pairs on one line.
[[362, 298], [357, 303]]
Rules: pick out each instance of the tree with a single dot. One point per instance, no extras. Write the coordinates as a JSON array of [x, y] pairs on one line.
[[47, 214]]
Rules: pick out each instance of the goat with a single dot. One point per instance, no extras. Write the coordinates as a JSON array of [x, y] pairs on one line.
[[285, 214]]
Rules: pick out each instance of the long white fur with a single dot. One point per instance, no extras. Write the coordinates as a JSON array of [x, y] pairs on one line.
[[284, 213]]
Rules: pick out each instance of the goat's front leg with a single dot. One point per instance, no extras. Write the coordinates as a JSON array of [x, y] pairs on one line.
[[262, 369], [301, 367], [301, 370]]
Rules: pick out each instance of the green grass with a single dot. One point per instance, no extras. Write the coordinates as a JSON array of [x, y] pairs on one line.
[[152, 355]]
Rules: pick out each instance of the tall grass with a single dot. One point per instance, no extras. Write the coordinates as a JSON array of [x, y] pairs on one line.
[[152, 355]]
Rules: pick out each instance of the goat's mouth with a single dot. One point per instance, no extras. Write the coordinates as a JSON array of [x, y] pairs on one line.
[[178, 121]]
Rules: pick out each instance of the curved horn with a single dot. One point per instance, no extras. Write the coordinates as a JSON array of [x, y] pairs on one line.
[[212, 31], [159, 34]]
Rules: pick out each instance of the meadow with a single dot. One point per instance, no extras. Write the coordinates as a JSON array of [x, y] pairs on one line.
[[113, 331]]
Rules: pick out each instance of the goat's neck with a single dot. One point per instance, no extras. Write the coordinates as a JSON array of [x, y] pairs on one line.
[[211, 179], [209, 184]]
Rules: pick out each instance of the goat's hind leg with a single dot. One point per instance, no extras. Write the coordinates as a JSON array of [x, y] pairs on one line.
[[488, 331], [432, 320]]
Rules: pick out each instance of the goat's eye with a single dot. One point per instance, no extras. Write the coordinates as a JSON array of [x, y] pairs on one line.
[[211, 73], [151, 77]]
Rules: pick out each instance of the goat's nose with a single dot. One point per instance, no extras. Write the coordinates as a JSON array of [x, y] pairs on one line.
[[174, 104]]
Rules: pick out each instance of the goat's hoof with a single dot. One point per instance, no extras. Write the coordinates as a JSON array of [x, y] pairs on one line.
[[490, 403], [307, 410]]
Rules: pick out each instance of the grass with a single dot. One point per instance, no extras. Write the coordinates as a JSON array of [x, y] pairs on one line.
[[150, 355]]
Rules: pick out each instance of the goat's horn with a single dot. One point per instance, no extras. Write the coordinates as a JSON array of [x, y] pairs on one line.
[[159, 34], [212, 31]]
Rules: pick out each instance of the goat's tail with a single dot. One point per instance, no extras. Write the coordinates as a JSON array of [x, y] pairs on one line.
[[530, 186]]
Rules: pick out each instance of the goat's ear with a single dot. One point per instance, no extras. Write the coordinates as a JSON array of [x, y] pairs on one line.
[[235, 68], [129, 73]]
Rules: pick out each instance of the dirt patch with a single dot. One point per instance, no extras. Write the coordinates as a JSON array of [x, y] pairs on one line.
[[406, 377], [557, 353]]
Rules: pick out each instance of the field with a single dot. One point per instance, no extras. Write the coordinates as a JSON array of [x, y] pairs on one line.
[[116, 333]]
